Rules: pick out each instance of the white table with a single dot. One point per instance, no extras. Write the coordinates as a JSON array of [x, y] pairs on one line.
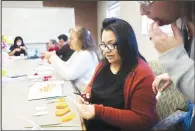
[[15, 103]]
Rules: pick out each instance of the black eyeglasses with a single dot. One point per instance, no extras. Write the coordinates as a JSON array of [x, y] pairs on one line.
[[110, 47]]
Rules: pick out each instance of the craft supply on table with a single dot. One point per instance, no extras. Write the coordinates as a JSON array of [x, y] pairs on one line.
[[42, 90], [42, 113], [38, 108], [68, 117], [61, 112]]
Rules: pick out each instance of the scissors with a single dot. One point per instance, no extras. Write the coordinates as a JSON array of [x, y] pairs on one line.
[[84, 96]]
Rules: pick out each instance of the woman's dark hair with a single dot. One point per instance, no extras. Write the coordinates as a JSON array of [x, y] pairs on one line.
[[86, 39], [126, 43], [16, 39]]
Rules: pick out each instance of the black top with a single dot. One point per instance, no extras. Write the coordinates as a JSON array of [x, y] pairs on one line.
[[17, 53], [65, 52], [107, 89]]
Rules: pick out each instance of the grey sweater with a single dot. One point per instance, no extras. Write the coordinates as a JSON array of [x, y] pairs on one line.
[[181, 69]]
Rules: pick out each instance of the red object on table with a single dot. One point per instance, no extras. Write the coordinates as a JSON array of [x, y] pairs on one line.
[[47, 77], [42, 57], [35, 74]]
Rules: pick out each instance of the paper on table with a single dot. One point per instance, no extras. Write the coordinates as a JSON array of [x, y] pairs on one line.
[[75, 102], [44, 73], [41, 108], [41, 113], [34, 77], [18, 57], [43, 68], [35, 126], [45, 89], [8, 79]]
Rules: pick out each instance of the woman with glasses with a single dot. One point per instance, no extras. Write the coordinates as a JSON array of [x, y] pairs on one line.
[[121, 97], [80, 66]]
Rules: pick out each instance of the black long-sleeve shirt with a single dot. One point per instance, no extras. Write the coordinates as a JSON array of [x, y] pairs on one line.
[[65, 52]]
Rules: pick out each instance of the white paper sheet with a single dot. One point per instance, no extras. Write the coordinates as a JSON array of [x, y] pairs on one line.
[[37, 91], [6, 79], [18, 57], [43, 69]]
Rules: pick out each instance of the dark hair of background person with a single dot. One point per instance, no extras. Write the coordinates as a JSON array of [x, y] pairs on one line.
[[64, 37], [126, 43], [16, 39]]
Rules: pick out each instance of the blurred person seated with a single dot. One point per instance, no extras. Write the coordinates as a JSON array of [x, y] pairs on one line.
[[64, 51], [52, 45], [18, 47], [81, 65]]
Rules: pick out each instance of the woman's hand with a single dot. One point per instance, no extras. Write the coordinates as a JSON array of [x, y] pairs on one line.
[[22, 47], [162, 42], [81, 100], [86, 111], [17, 50], [48, 55]]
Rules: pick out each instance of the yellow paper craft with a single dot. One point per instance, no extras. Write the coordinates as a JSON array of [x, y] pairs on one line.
[[61, 112], [62, 99], [61, 105], [68, 117]]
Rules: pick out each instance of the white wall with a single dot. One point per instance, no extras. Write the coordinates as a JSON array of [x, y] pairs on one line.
[[37, 25], [23, 4], [130, 12], [36, 29], [102, 8], [26, 4]]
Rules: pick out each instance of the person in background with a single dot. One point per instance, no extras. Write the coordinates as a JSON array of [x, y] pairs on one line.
[[52, 45], [18, 48], [81, 65], [64, 51], [177, 52], [121, 96]]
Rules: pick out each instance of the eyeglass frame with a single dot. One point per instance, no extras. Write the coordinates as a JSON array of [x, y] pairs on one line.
[[106, 46]]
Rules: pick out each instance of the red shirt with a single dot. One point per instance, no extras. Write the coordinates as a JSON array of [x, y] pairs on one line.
[[139, 112], [52, 49]]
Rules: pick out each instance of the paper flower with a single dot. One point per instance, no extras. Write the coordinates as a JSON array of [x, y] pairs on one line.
[[4, 45], [7, 40]]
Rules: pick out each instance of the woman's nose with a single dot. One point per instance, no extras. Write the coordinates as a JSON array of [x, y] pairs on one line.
[[107, 50]]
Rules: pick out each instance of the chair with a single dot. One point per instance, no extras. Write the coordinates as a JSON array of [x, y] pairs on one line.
[[172, 107]]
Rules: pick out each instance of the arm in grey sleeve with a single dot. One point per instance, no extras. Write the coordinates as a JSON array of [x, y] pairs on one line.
[[181, 70]]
